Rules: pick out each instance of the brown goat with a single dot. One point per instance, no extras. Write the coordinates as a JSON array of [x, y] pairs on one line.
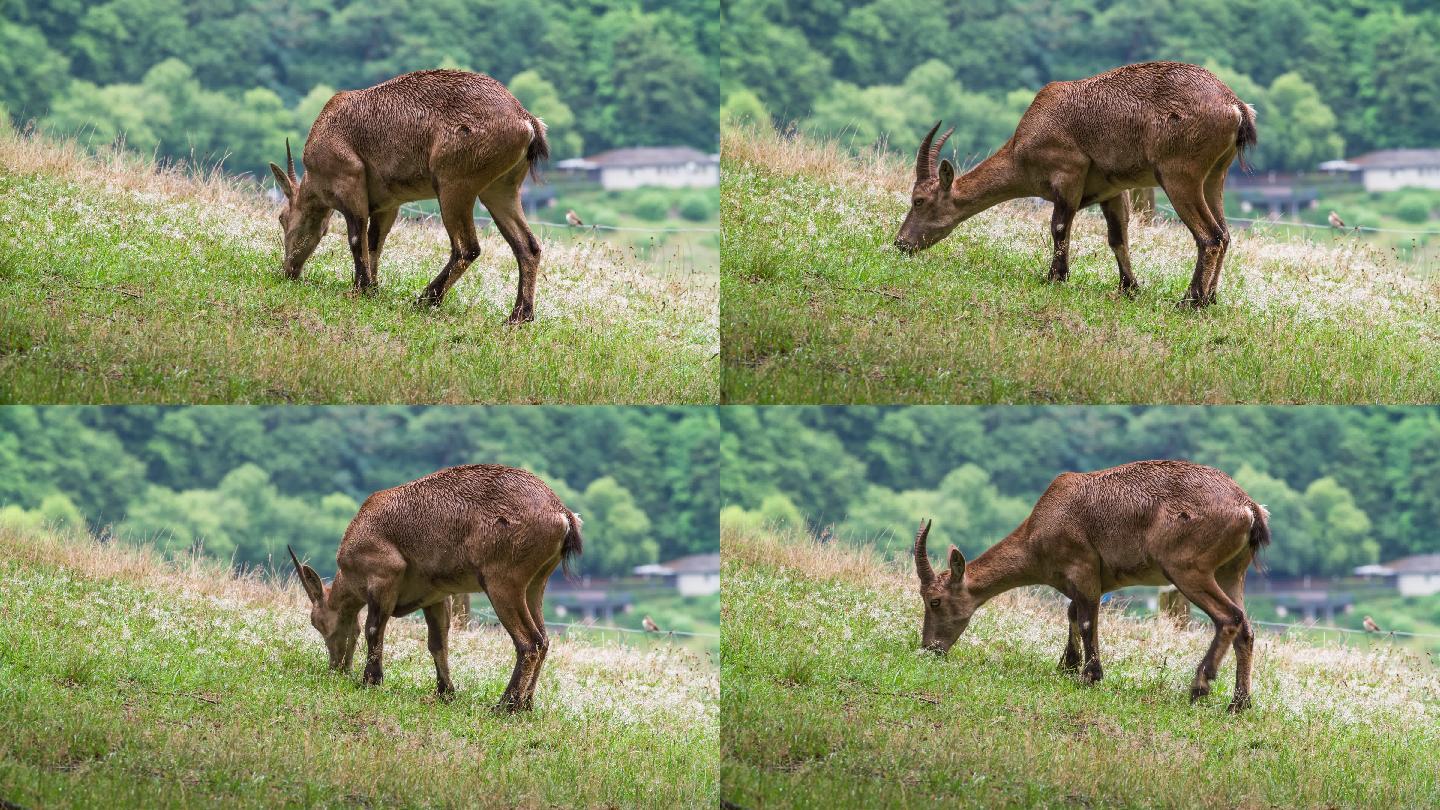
[[1165, 124], [436, 134], [480, 528], [1143, 523]]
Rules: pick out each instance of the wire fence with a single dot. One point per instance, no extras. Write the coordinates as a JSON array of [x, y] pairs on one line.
[[1284, 224], [1330, 629], [429, 215], [608, 628]]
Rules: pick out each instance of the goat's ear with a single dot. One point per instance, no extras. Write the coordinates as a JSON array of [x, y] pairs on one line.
[[283, 181], [947, 176], [314, 588], [957, 565]]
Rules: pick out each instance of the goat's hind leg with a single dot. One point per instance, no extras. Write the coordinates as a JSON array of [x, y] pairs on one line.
[[1117, 221], [1201, 588], [1186, 193], [1232, 581], [502, 200], [510, 606], [457, 211], [437, 622], [1215, 201]]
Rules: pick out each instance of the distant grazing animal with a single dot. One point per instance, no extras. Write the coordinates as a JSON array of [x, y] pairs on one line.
[[460, 530], [1336, 221], [1143, 523], [573, 218], [1371, 626], [436, 134], [1163, 124]]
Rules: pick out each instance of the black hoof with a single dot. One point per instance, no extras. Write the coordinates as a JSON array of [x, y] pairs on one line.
[[1239, 704], [1197, 692]]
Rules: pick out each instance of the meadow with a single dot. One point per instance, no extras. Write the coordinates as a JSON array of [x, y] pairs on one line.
[[828, 703], [131, 680], [818, 307], [126, 282]]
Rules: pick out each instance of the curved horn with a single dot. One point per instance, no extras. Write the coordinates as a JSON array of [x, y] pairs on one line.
[[935, 154], [290, 170], [295, 560], [922, 559], [925, 158]]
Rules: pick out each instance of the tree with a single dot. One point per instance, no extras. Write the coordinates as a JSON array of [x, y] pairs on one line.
[[31, 72], [628, 542]]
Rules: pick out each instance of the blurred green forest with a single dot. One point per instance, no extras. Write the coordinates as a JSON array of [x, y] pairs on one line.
[[1345, 486], [1328, 78], [241, 482], [220, 79]]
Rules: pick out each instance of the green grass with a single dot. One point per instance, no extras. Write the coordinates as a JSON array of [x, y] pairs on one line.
[[826, 703], [818, 308], [119, 283], [126, 681]]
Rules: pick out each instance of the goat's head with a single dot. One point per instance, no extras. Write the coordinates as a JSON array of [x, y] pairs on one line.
[[948, 603], [934, 211], [339, 633], [302, 221]]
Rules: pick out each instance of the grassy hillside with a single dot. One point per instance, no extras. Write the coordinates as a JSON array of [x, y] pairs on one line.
[[827, 703], [123, 283], [126, 681], [818, 307]]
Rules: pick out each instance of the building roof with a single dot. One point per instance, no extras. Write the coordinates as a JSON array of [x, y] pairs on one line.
[[1416, 564], [641, 156], [1398, 159]]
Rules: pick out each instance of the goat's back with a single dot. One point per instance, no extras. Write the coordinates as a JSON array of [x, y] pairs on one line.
[[461, 516], [1133, 117], [1133, 513], [397, 126]]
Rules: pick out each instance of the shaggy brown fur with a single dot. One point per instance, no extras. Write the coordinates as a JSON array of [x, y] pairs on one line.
[[1143, 523], [483, 528], [1165, 124], [436, 134]]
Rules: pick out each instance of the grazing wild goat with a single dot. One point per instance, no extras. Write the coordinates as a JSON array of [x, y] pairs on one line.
[[436, 134], [1143, 523], [461, 530], [1163, 124]]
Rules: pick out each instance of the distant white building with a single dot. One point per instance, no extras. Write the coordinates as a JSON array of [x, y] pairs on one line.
[[1392, 169], [637, 167], [1418, 575], [695, 575]]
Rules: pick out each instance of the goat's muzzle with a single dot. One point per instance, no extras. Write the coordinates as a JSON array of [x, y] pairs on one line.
[[908, 248]]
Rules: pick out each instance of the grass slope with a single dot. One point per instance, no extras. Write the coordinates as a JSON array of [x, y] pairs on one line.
[[817, 307], [126, 681], [827, 704], [123, 283]]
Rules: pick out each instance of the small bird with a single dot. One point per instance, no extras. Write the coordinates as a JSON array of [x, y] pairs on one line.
[[1336, 221], [575, 221], [1371, 626], [650, 625]]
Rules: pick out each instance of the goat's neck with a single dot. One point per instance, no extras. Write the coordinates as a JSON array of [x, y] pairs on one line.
[[342, 597], [1004, 566], [992, 182]]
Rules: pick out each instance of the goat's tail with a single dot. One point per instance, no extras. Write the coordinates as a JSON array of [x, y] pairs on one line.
[[539, 148], [570, 547], [1259, 532], [1246, 137]]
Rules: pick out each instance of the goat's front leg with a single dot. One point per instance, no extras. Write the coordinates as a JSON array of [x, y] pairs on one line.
[[355, 229], [1087, 613], [376, 616], [437, 622], [1070, 660], [1060, 222]]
